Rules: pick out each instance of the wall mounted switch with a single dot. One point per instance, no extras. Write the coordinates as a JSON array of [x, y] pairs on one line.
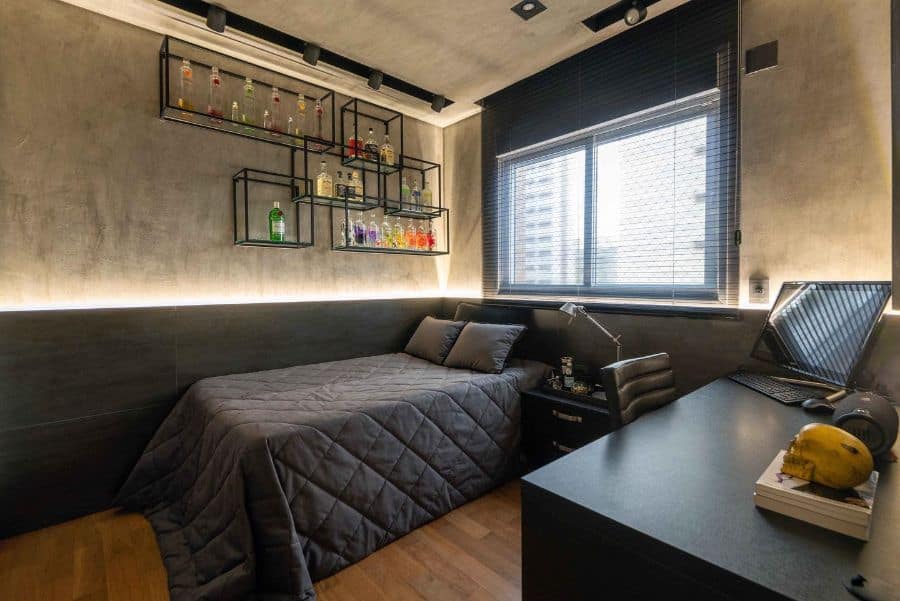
[[759, 291]]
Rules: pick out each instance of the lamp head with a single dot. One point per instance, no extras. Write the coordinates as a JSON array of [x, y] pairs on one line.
[[570, 309]]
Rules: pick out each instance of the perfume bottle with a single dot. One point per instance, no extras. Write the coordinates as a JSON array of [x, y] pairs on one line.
[[235, 113], [421, 238], [359, 231], [248, 115], [214, 108], [300, 122], [387, 233], [427, 196], [324, 183], [387, 152], [186, 91], [373, 234], [371, 146], [410, 235], [357, 186], [275, 121], [340, 189], [398, 240], [415, 197], [404, 194], [276, 223]]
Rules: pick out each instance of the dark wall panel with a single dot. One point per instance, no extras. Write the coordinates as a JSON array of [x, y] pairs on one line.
[[82, 392]]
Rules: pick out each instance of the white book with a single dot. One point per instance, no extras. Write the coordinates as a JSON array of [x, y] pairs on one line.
[[860, 531]]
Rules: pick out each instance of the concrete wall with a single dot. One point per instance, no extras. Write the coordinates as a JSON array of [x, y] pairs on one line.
[[104, 203]]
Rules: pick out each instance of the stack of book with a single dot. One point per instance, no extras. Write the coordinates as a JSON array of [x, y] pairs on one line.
[[846, 511]]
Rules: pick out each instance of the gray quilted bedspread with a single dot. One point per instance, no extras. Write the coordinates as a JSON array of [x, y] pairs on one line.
[[259, 484]]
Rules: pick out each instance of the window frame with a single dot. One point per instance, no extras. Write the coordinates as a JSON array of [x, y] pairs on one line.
[[706, 103]]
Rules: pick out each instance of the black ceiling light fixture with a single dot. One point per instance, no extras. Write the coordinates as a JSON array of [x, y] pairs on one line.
[[375, 79], [528, 8], [438, 102], [631, 12], [216, 17], [311, 53], [636, 13]]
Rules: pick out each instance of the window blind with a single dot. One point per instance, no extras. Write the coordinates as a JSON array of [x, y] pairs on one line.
[[613, 175]]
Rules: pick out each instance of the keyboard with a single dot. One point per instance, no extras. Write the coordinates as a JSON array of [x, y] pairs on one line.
[[789, 394]]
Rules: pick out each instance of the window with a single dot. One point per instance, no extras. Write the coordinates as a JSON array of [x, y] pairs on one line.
[[631, 208]]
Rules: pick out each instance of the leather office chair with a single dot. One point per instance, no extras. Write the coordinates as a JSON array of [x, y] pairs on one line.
[[635, 386]]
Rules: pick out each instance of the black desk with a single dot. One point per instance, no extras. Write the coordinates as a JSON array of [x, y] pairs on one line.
[[663, 509]]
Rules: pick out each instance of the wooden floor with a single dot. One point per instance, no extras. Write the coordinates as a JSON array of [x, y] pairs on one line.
[[472, 553]]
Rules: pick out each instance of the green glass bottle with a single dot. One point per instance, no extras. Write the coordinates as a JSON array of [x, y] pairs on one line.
[[276, 224]]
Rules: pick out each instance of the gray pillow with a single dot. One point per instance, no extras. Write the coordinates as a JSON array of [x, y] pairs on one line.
[[434, 338], [484, 346]]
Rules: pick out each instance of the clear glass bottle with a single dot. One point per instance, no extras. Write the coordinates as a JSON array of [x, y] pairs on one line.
[[320, 118], [275, 125], [431, 237], [345, 235], [387, 152], [324, 183], [404, 194], [427, 196], [387, 233], [340, 188], [214, 107], [186, 89], [267, 119], [235, 113], [371, 146], [421, 238], [276, 223], [300, 123], [359, 230], [398, 240], [373, 240], [248, 116], [411, 235], [357, 186], [415, 197]]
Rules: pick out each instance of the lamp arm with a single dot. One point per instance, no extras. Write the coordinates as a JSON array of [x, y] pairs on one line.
[[609, 335]]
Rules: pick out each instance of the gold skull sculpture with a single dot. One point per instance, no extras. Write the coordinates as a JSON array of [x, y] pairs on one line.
[[828, 455]]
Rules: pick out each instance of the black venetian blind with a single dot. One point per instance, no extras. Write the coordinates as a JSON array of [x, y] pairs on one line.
[[612, 175]]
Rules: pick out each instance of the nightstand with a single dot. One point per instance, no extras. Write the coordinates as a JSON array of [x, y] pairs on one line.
[[553, 425]]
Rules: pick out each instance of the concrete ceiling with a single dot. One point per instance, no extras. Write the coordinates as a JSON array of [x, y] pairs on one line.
[[464, 49]]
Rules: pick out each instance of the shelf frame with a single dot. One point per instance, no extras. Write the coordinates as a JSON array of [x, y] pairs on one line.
[[242, 179]]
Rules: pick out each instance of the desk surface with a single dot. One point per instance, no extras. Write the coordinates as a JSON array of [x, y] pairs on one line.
[[684, 474]]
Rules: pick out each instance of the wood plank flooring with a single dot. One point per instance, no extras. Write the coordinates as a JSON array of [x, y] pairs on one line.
[[472, 553]]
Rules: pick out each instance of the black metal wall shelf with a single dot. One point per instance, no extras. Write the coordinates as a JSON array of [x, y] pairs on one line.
[[357, 121], [251, 210], [363, 231], [187, 106]]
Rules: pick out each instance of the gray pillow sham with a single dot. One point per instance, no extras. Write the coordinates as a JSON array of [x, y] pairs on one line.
[[484, 346], [434, 338]]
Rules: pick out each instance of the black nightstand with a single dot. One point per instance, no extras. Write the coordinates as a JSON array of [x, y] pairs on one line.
[[553, 425]]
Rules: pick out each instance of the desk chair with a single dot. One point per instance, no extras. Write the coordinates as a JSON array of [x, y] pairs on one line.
[[635, 386]]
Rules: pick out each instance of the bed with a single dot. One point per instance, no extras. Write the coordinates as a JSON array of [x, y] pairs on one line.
[[259, 484]]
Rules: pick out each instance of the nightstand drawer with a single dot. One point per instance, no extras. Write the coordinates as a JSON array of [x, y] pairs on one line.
[[553, 426]]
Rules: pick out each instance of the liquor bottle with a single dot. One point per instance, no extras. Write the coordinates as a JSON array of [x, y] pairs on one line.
[[324, 183], [373, 234], [267, 119], [214, 108], [300, 123], [416, 197], [345, 235], [357, 186], [430, 237], [371, 146], [320, 117], [276, 224], [387, 234], [249, 114], [427, 196], [352, 148], [359, 230], [340, 189], [398, 241], [387, 152], [421, 238], [235, 113], [404, 194], [275, 125], [410, 235], [186, 96]]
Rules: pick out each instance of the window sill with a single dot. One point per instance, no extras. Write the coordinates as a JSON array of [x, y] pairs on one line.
[[694, 312]]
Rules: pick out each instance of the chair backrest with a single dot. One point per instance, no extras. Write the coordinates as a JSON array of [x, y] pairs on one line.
[[635, 386]]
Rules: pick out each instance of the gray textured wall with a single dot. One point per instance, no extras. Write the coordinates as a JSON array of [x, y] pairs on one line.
[[105, 203]]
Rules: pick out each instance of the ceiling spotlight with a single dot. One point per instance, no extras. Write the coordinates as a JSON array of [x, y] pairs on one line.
[[215, 18], [438, 103], [636, 13], [375, 79], [528, 8], [311, 53]]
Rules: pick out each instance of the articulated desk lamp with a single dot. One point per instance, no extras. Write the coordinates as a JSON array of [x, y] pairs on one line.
[[573, 311]]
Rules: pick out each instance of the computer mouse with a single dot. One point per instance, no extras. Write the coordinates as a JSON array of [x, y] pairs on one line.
[[817, 406]]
